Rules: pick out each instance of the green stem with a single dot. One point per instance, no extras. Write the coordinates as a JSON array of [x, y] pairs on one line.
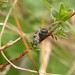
[[48, 5]]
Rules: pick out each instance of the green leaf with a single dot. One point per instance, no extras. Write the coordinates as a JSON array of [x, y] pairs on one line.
[[63, 13], [61, 33], [67, 15], [54, 13], [48, 5], [54, 27], [66, 27], [62, 10], [72, 28]]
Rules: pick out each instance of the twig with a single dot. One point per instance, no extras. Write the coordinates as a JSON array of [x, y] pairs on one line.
[[47, 53], [10, 43], [14, 29], [13, 60], [11, 27], [4, 28], [43, 69], [17, 58], [72, 69], [4, 72], [73, 13], [24, 41], [6, 19]]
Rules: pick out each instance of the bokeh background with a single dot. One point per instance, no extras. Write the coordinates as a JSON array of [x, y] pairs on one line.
[[30, 12]]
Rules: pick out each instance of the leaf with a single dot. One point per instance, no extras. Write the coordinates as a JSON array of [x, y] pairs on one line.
[[48, 5], [54, 13], [72, 28], [61, 33], [54, 37], [62, 10], [66, 27], [63, 13], [67, 16], [54, 27]]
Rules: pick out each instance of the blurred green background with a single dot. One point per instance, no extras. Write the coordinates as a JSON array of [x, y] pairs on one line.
[[30, 13]]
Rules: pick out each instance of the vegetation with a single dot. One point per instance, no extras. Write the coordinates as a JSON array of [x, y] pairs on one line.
[[37, 37]]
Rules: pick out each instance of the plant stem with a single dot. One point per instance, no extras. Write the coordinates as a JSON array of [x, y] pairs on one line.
[[13, 60]]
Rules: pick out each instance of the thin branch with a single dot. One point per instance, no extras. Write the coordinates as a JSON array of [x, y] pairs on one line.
[[43, 69], [73, 13], [6, 19], [21, 36], [11, 27], [24, 41], [14, 29], [13, 60], [4, 25], [17, 58], [10, 43], [72, 69], [47, 54], [4, 72]]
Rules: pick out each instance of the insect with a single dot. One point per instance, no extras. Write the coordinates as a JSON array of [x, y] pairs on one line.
[[39, 35]]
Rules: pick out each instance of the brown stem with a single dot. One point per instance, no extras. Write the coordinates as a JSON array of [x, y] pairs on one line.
[[13, 60], [24, 40], [73, 13]]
